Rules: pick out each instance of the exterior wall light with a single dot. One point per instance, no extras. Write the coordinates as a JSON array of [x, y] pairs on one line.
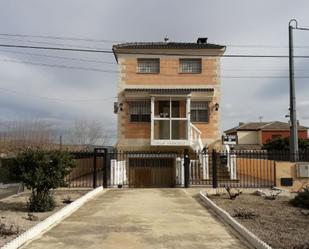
[[118, 107], [216, 107]]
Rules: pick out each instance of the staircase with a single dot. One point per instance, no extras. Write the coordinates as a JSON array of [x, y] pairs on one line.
[[195, 138]]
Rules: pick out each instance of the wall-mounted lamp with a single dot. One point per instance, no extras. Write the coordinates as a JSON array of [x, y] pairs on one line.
[[216, 107], [118, 107]]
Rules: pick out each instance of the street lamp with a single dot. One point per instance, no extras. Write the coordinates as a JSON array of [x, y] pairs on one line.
[[294, 152]]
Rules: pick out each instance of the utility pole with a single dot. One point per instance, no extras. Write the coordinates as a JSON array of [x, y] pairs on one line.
[[294, 151], [293, 122]]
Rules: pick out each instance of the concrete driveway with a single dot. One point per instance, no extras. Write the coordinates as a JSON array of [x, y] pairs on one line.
[[140, 219]]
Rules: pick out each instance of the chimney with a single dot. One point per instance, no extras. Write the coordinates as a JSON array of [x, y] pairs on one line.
[[202, 40]]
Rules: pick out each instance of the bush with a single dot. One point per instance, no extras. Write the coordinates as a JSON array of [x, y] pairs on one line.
[[41, 171], [301, 199], [283, 144], [5, 170]]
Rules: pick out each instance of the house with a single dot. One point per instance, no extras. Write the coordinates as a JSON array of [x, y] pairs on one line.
[[168, 95], [258, 133]]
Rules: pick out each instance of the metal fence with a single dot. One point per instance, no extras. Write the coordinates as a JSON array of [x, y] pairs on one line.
[[242, 169], [236, 169]]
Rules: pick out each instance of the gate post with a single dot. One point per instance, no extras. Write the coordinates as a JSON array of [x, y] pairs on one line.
[[214, 169], [106, 168], [186, 165], [94, 180]]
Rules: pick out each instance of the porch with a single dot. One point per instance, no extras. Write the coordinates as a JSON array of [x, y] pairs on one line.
[[171, 122]]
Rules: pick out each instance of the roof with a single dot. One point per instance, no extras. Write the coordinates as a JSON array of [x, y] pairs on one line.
[[169, 90], [255, 126], [167, 45]]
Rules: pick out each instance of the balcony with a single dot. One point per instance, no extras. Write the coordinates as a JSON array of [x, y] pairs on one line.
[[170, 123]]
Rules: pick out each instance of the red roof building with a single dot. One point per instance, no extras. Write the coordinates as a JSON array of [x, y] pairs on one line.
[[258, 133]]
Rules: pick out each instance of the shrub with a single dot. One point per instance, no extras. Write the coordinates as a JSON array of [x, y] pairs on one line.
[[5, 170], [301, 199], [283, 144], [41, 171]]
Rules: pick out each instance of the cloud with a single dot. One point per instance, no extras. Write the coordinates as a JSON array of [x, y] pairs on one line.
[[223, 21]]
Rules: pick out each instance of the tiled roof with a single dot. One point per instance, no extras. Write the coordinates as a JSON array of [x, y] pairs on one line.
[[277, 125], [252, 126], [166, 45], [255, 126], [169, 90]]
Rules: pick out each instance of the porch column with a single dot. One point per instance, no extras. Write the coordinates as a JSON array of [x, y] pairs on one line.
[[152, 118], [188, 116]]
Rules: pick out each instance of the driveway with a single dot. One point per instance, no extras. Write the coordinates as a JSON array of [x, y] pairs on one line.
[[140, 219]]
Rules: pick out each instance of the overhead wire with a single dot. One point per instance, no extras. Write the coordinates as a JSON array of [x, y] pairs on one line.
[[53, 98]]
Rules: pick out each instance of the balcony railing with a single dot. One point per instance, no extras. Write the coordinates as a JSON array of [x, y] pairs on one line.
[[170, 123]]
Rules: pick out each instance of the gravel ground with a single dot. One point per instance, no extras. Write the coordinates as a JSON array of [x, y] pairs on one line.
[[274, 221], [13, 211]]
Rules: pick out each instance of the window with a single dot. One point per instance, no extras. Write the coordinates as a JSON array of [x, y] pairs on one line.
[[199, 111], [148, 65], [139, 111], [190, 65]]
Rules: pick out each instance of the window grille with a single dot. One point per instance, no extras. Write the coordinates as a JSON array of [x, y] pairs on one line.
[[199, 111], [139, 111], [190, 65], [148, 65]]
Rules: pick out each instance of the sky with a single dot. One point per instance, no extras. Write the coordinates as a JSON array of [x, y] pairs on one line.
[[250, 87]]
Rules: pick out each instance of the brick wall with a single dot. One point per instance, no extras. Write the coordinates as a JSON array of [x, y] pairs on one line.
[[169, 76], [266, 135]]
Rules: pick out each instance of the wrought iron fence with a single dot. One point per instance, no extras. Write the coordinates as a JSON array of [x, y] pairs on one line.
[[242, 169]]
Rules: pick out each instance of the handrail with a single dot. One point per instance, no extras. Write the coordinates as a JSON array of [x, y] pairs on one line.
[[196, 129]]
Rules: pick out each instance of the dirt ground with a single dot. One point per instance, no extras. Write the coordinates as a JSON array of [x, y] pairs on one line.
[[13, 211], [274, 221]]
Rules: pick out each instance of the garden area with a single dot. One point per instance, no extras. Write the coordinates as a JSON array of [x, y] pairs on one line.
[[280, 220], [15, 217], [43, 175]]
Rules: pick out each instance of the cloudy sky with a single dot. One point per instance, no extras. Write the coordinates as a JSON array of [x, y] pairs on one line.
[[36, 84]]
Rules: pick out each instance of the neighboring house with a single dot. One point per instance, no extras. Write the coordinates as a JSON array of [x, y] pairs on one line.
[[168, 95], [258, 133]]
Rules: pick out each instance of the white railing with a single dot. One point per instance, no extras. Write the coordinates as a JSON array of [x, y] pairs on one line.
[[232, 166], [231, 162], [195, 138], [180, 172], [118, 173]]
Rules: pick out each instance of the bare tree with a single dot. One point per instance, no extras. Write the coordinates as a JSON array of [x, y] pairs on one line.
[[19, 134], [86, 132]]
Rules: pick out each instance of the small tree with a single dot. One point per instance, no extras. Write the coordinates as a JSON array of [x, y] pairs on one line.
[[283, 144], [41, 171], [301, 199]]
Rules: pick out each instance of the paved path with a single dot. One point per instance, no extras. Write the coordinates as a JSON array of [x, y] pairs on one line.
[[140, 219]]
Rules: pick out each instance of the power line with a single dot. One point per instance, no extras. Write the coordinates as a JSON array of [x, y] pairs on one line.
[[57, 48], [121, 41], [133, 72], [137, 53], [52, 98], [113, 63], [59, 66], [60, 57], [60, 38], [261, 46], [50, 43]]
